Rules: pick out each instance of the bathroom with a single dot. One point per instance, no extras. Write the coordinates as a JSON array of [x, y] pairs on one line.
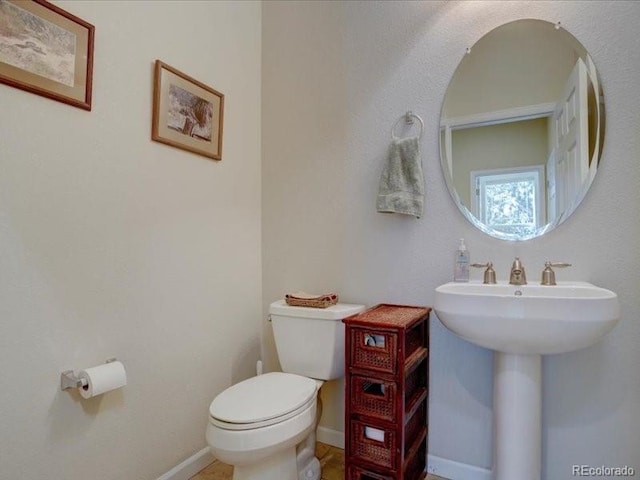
[[117, 246]]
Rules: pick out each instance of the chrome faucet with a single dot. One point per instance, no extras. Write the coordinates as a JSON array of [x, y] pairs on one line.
[[517, 276]]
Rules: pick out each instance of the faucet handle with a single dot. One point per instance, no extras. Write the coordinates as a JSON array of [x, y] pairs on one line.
[[489, 273], [548, 275]]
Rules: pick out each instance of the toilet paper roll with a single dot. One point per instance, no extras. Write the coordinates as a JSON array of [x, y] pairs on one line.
[[102, 378]]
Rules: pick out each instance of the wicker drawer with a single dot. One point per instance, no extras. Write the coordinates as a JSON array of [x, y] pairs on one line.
[[374, 350], [373, 397], [374, 444], [357, 473]]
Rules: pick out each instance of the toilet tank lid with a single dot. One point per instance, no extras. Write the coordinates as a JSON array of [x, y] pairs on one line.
[[334, 312]]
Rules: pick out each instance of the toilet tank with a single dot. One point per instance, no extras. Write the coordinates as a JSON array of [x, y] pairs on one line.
[[310, 341]]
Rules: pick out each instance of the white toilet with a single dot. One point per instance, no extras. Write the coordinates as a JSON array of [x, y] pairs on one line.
[[265, 426]]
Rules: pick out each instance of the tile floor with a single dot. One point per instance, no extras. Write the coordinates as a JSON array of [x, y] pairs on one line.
[[331, 461]]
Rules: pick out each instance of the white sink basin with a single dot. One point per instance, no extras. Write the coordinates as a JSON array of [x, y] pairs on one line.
[[528, 319]]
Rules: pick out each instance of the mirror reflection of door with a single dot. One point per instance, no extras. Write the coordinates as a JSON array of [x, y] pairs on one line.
[[520, 129], [569, 158]]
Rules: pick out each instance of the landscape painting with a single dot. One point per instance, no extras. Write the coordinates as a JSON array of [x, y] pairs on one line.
[[187, 114], [46, 50], [36, 45]]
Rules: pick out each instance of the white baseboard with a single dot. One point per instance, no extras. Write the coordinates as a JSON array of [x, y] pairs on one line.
[[190, 466], [331, 437], [455, 470]]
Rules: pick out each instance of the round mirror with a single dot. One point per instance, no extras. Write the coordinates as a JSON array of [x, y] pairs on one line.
[[521, 129]]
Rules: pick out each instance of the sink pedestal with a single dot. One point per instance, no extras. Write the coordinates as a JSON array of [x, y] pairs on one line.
[[517, 421]]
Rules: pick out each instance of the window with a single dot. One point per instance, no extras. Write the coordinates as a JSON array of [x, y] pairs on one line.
[[509, 200]]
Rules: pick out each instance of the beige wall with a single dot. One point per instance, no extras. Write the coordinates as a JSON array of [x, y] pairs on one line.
[[114, 245], [304, 123], [336, 78]]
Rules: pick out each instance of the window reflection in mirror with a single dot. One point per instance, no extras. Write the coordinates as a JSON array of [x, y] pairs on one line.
[[523, 100]]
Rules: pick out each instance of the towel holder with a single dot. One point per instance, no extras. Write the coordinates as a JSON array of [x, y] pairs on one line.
[[408, 120]]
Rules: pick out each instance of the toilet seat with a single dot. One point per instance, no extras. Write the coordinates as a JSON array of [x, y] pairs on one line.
[[264, 423], [263, 400]]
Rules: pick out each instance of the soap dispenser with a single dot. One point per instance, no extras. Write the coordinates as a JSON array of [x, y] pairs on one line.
[[461, 267]]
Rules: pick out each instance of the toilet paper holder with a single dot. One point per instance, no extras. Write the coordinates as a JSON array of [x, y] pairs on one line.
[[69, 379]]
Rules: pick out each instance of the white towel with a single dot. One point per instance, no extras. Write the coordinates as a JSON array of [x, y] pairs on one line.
[[402, 182]]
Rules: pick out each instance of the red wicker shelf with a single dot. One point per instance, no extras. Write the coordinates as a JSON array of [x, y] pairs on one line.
[[386, 391]]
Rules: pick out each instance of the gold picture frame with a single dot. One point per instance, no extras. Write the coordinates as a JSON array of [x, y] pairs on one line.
[[47, 51], [187, 114]]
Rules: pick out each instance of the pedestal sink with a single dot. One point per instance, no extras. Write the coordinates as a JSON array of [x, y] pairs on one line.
[[521, 323]]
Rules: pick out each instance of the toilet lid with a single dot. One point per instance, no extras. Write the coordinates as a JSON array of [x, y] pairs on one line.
[[262, 398]]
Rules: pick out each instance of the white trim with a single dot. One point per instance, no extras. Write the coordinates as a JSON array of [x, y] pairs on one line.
[[528, 112], [455, 470], [331, 437], [190, 466]]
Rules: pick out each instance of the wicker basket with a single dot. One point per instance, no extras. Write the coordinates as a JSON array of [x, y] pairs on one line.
[[315, 301]]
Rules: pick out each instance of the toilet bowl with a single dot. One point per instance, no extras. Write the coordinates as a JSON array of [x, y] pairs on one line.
[[257, 424], [265, 426]]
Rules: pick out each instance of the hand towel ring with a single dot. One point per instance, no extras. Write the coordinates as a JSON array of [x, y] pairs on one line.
[[408, 118]]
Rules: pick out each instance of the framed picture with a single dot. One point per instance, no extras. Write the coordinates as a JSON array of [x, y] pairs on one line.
[[47, 51], [187, 114]]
